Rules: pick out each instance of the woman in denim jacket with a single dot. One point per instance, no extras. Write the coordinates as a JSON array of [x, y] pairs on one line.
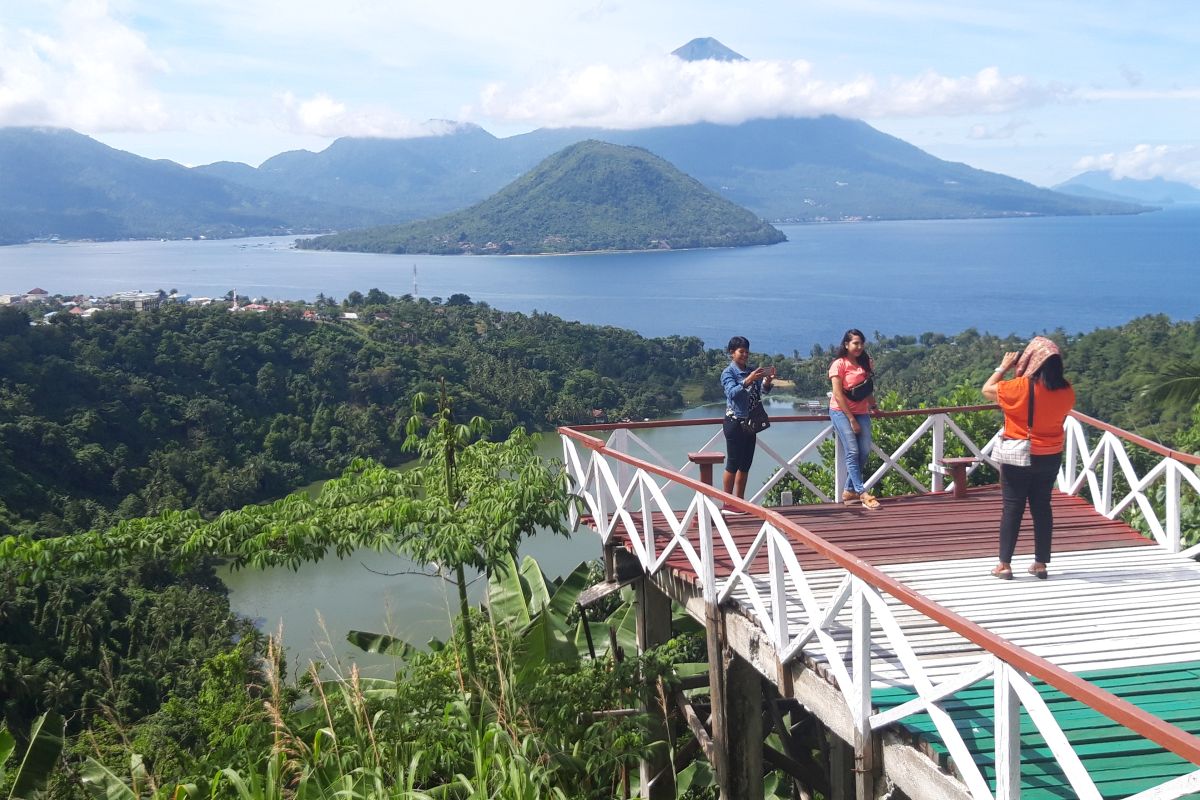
[[739, 381]]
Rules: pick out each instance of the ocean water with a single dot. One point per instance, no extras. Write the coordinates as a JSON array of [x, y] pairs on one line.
[[1000, 276]]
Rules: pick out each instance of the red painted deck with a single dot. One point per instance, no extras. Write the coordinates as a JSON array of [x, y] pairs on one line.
[[918, 528]]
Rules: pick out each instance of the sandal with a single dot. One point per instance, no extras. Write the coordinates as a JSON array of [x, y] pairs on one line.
[[1003, 572], [849, 497], [1038, 570], [869, 502]]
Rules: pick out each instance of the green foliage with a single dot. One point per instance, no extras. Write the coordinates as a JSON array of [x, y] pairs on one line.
[[44, 745], [590, 196], [128, 415], [1110, 368]]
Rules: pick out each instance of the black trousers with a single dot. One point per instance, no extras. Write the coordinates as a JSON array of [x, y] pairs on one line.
[[1032, 485]]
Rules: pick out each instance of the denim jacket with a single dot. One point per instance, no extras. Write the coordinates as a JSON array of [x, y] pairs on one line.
[[737, 396]]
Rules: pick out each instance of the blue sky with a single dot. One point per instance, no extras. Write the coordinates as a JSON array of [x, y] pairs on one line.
[[1036, 90]]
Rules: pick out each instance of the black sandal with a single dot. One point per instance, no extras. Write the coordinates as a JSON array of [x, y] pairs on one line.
[[1002, 572], [1038, 571]]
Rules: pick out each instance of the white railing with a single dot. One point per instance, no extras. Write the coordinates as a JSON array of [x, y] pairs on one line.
[[1096, 455], [850, 622]]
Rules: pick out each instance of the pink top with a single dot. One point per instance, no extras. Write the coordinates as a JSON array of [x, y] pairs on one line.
[[852, 374]]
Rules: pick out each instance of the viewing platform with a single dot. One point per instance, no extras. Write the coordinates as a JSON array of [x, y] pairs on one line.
[[931, 676]]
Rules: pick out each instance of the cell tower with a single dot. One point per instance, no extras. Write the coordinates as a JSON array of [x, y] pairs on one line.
[[416, 293]]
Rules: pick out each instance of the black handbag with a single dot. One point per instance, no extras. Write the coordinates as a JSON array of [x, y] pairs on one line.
[[860, 391], [757, 420]]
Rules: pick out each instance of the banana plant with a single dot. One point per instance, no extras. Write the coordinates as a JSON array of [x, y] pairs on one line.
[[45, 746]]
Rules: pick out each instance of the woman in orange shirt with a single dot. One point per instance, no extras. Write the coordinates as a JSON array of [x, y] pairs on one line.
[[1040, 371]]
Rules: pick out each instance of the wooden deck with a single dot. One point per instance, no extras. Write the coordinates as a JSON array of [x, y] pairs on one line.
[[1117, 609]]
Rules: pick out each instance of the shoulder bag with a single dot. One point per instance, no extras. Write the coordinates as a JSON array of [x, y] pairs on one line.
[[1015, 452], [860, 391], [757, 420]]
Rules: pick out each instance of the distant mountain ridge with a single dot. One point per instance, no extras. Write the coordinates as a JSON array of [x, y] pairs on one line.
[[56, 182], [1154, 191], [590, 196], [790, 170]]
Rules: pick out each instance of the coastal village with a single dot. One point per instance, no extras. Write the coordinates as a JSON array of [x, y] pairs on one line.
[[43, 306]]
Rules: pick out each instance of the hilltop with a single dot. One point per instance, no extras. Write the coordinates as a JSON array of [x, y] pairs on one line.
[[61, 183], [589, 196]]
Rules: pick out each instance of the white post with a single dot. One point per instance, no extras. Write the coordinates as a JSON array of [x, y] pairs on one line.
[[619, 441], [707, 562], [1106, 494], [1007, 734], [778, 590], [647, 524], [1069, 458], [861, 658], [1171, 523], [939, 444], [864, 744]]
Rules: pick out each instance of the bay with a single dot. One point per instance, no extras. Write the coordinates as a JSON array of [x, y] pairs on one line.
[[1000, 276]]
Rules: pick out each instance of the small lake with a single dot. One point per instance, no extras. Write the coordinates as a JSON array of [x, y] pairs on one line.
[[317, 604]]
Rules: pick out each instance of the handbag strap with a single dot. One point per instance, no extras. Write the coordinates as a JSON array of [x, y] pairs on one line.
[[1029, 421]]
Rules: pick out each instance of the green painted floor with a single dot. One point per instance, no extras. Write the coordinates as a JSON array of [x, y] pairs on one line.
[[1119, 761]]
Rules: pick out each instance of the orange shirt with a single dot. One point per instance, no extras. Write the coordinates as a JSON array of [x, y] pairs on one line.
[[1049, 411]]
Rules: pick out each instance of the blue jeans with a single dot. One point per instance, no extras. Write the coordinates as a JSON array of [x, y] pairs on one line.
[[856, 446]]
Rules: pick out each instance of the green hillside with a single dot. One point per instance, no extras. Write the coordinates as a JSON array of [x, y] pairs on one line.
[[55, 182], [589, 196]]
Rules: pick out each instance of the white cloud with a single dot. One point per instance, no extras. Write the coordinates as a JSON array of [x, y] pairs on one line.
[[670, 91], [322, 115], [1144, 162], [91, 74]]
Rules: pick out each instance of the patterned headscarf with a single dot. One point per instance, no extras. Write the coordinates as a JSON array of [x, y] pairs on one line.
[[1036, 352]]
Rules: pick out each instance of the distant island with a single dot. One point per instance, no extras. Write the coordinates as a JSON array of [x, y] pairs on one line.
[[590, 196]]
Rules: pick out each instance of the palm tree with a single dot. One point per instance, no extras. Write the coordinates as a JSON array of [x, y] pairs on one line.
[[1177, 385]]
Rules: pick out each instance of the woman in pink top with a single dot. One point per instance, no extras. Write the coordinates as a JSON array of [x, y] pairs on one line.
[[853, 401]]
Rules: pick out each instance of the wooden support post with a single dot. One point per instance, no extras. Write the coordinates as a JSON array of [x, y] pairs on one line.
[[841, 769], [610, 563], [958, 473], [743, 698], [706, 460], [653, 629]]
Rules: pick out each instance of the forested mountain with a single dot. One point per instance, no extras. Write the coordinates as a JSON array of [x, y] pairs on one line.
[[790, 169], [55, 182], [589, 196], [128, 414]]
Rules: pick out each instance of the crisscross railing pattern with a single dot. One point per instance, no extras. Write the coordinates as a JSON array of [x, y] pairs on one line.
[[1096, 458], [850, 623]]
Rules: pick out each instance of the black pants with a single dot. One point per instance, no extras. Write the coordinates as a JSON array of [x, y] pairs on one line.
[[739, 447], [1031, 484]]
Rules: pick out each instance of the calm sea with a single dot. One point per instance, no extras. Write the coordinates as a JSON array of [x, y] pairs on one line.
[[1000, 276]]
